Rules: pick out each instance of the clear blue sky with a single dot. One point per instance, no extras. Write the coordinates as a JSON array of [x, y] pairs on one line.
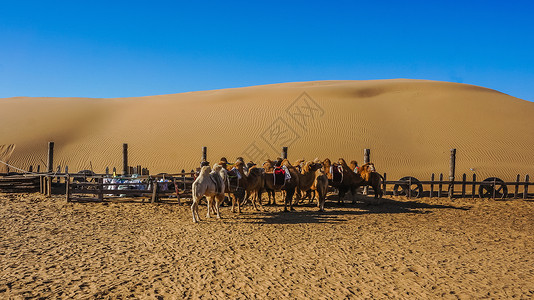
[[138, 48]]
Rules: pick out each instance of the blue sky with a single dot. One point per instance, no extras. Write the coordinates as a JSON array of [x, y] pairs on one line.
[[139, 48]]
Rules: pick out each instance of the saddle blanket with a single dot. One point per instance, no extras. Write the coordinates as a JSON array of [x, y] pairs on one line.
[[337, 174], [281, 175]]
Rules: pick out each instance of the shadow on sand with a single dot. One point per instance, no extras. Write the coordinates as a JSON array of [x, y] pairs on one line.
[[334, 212]]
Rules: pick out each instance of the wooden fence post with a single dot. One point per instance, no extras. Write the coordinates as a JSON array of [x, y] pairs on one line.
[[50, 157], [31, 169], [154, 190], [432, 185], [125, 159], [517, 186], [100, 189], [49, 186], [464, 180], [440, 186], [67, 188], [384, 183], [473, 190], [183, 179], [452, 171], [525, 191], [284, 152], [41, 185], [204, 153]]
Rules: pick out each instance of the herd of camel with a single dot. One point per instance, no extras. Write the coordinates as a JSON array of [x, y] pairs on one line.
[[242, 181]]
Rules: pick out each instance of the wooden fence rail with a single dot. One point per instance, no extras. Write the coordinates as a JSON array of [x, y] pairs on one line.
[[492, 187], [148, 187], [19, 184]]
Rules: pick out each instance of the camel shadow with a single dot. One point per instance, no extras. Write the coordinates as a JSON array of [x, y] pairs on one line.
[[336, 213]]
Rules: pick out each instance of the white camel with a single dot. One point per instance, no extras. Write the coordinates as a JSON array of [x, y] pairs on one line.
[[210, 184]]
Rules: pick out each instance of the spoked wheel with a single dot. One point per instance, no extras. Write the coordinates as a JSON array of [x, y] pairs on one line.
[[492, 185], [416, 188]]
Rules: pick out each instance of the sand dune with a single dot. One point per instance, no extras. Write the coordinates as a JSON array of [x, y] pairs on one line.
[[410, 125]]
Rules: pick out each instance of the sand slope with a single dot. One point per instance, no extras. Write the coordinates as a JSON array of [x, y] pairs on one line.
[[410, 125]]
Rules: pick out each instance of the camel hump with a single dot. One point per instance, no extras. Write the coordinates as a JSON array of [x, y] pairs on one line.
[[216, 178]]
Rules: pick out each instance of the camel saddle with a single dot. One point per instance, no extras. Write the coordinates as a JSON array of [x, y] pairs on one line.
[[216, 178], [337, 174], [279, 176], [233, 178]]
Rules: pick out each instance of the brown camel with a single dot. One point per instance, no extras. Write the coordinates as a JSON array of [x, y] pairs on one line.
[[255, 183], [321, 186], [370, 177], [237, 184], [307, 178], [351, 181], [289, 185], [268, 169]]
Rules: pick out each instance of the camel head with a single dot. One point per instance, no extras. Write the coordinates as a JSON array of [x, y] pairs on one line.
[[370, 167], [342, 162], [286, 163], [217, 168], [311, 167], [239, 165], [205, 171], [250, 164]]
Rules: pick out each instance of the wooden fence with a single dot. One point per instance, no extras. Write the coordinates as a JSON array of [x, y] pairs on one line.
[[491, 187], [19, 184], [154, 187]]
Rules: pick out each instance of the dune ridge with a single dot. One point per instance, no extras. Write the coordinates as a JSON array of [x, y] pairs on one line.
[[409, 125]]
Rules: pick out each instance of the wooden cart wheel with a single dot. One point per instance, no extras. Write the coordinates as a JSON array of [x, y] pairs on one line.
[[402, 189], [489, 185]]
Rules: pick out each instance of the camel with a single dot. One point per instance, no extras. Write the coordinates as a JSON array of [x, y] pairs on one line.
[[210, 184], [321, 186], [289, 185], [255, 183], [240, 186], [370, 177], [268, 169], [351, 181], [307, 177]]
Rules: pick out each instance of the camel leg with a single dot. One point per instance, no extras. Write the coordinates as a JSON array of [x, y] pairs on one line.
[[247, 196], [209, 200], [289, 198], [239, 204], [353, 194], [233, 203], [218, 200], [312, 195], [258, 197], [194, 207]]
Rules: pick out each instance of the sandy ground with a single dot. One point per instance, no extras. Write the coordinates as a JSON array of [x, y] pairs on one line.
[[409, 125], [424, 249]]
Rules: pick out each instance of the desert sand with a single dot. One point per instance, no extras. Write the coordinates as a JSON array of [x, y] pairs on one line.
[[424, 249], [409, 125]]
